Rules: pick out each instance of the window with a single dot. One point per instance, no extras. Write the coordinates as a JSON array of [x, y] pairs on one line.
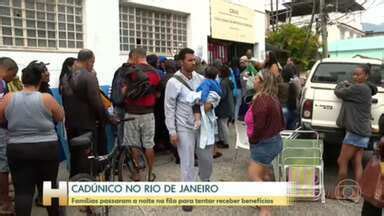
[[158, 32], [333, 73], [342, 32], [41, 23]]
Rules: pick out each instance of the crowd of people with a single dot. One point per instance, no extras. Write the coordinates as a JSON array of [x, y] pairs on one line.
[[180, 104]]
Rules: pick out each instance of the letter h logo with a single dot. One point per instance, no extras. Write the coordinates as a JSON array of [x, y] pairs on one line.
[[61, 192]]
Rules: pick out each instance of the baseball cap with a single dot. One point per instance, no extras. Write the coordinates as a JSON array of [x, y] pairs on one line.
[[162, 59]]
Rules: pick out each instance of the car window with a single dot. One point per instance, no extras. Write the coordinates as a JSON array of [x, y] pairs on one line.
[[335, 72]]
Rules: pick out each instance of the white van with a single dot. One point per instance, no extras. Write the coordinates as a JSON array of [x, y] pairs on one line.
[[319, 105]]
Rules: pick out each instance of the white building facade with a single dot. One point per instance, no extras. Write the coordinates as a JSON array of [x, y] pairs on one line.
[[340, 25], [52, 30]]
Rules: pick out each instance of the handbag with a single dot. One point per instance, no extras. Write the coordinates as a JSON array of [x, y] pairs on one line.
[[372, 182]]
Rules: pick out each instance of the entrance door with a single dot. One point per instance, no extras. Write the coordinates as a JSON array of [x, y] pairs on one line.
[[218, 51]]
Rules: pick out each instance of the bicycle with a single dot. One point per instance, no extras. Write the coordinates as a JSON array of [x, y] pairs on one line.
[[116, 165]]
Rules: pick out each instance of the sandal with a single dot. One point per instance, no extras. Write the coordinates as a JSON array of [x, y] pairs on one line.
[[217, 155], [152, 177]]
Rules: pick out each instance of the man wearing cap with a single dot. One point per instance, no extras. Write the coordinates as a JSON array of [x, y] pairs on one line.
[[162, 60], [247, 73]]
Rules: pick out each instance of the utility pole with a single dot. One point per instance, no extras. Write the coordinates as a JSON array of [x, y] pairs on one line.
[[324, 32], [271, 16], [277, 15]]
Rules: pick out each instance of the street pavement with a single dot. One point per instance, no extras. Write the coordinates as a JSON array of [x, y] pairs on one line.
[[227, 168]]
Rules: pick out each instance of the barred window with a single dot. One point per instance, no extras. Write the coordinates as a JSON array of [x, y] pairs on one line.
[[41, 23], [155, 31]]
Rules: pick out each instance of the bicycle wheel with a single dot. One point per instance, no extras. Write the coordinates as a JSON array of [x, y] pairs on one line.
[[133, 170], [90, 210]]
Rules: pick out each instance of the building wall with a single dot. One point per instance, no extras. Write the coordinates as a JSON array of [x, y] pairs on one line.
[[377, 53], [336, 31], [260, 25], [340, 32], [102, 34], [198, 21]]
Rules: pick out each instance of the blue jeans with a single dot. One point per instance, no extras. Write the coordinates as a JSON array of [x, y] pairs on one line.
[[290, 117], [237, 104]]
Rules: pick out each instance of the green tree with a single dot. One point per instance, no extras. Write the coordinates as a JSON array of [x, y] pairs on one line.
[[301, 45]]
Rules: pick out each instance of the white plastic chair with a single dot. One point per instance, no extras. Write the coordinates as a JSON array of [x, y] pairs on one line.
[[241, 137]]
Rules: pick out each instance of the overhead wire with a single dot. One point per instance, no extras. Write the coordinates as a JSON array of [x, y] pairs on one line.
[[348, 13]]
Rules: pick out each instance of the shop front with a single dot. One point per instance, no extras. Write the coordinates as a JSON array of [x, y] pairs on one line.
[[226, 50], [232, 31]]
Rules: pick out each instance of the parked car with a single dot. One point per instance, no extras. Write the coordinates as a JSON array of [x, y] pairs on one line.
[[319, 105]]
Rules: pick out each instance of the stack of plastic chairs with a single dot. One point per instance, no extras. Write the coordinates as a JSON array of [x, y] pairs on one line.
[[301, 163]]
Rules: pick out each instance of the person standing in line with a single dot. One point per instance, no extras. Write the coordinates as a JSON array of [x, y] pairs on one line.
[[118, 97], [237, 94], [180, 118], [66, 70], [368, 209], [200, 68], [247, 77], [290, 70], [251, 67], [225, 109], [45, 88], [249, 54], [141, 131], [290, 77], [32, 147], [84, 110], [8, 71], [162, 134], [356, 119], [153, 60], [162, 60], [45, 78], [271, 64]]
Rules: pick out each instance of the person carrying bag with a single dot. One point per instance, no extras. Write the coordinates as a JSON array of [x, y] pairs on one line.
[[371, 183]]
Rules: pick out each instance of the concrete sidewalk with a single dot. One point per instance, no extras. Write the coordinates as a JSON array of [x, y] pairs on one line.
[[225, 169]]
